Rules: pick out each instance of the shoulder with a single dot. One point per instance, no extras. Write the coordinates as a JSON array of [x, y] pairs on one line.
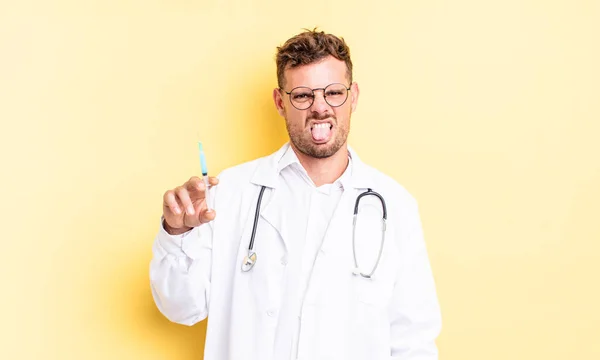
[[240, 174], [402, 207], [260, 170], [390, 187], [234, 182], [240, 171]]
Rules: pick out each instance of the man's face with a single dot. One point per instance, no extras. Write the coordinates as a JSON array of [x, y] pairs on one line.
[[320, 130]]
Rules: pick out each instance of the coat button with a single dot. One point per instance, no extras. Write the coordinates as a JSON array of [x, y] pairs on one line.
[[271, 313], [284, 260]]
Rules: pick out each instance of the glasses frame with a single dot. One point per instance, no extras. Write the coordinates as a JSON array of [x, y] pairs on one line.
[[312, 101]]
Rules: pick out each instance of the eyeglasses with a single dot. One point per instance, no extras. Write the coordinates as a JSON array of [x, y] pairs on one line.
[[303, 97]]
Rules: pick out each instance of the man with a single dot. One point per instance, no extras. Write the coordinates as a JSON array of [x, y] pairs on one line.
[[316, 284]]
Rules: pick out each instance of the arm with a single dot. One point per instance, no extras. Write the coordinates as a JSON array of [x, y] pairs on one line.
[[415, 316], [180, 273]]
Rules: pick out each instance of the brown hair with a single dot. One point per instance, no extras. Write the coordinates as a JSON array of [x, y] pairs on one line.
[[309, 47]]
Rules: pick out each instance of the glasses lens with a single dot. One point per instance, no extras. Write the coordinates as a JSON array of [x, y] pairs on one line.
[[336, 94], [302, 97]]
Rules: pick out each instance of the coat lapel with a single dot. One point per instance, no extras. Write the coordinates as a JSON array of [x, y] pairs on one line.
[[266, 175], [271, 213]]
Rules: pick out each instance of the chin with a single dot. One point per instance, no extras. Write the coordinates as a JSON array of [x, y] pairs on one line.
[[321, 151]]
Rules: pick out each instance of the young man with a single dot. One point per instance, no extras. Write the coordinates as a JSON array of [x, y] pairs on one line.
[[282, 267]]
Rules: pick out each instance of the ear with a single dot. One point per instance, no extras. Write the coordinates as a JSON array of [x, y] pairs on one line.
[[278, 99], [354, 92]]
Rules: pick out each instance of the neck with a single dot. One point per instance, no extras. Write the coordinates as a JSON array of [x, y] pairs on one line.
[[326, 170]]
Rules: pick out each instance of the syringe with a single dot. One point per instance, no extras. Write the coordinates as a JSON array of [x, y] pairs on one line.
[[204, 174]]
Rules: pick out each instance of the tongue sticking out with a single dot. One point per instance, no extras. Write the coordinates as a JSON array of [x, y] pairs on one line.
[[321, 132]]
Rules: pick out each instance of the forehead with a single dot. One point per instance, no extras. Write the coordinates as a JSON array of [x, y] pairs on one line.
[[317, 75]]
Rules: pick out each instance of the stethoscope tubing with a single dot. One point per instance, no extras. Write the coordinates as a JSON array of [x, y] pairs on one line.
[[250, 259], [371, 192], [256, 216], [383, 223]]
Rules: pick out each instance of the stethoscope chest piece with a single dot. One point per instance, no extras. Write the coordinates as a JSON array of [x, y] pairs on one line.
[[249, 261]]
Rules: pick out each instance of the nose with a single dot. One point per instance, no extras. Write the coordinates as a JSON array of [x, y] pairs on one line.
[[319, 104]]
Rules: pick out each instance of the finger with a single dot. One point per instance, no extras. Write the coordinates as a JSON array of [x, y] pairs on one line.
[[170, 202], [207, 215], [194, 184], [184, 197], [213, 180]]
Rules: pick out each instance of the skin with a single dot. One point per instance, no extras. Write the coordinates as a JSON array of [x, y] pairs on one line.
[[326, 162], [184, 207]]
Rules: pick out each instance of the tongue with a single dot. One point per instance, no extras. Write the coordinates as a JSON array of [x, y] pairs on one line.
[[321, 133]]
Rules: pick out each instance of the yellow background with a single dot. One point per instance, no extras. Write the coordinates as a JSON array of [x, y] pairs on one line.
[[487, 111]]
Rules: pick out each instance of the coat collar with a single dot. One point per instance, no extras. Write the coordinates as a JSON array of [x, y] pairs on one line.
[[267, 171]]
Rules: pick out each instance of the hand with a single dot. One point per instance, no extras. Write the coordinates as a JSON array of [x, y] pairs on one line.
[[185, 206]]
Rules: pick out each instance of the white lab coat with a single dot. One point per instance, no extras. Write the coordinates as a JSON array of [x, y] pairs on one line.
[[394, 315]]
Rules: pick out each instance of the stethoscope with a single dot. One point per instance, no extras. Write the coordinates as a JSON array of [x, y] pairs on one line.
[[250, 259]]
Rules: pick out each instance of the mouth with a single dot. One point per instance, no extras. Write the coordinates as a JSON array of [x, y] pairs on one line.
[[321, 132]]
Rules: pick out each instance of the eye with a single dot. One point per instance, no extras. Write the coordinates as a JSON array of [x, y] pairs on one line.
[[334, 93], [300, 96]]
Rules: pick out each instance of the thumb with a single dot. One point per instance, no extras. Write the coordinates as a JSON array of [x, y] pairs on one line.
[[207, 215]]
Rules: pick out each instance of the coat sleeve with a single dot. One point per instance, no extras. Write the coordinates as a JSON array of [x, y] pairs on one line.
[[414, 312], [180, 273]]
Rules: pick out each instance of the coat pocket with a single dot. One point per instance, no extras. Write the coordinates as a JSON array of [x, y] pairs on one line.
[[376, 291]]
